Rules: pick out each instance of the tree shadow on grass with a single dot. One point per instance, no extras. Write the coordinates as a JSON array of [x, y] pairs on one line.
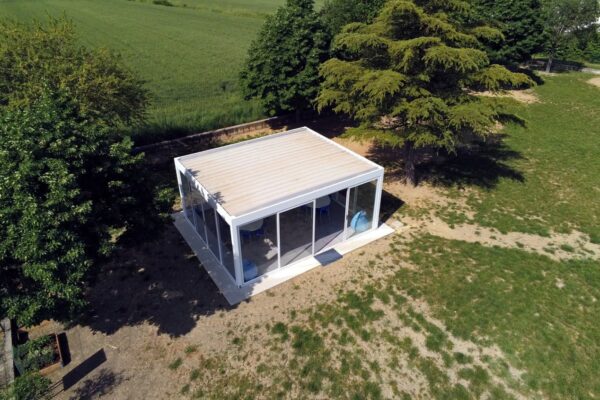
[[160, 282], [155, 278], [481, 164], [99, 385]]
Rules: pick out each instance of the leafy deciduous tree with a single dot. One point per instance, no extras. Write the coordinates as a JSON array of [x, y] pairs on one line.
[[39, 57], [69, 184], [409, 78], [563, 18], [282, 65]]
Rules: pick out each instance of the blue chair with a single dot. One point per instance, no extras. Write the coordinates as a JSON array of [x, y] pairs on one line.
[[259, 232], [250, 270], [324, 211], [245, 234], [360, 222]]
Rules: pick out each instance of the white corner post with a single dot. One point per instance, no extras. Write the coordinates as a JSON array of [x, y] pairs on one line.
[[236, 246], [377, 207], [179, 185]]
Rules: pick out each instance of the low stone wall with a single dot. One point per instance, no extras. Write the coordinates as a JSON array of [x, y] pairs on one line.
[[7, 371], [268, 123]]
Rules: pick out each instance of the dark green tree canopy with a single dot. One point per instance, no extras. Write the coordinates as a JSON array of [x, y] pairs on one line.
[[410, 77], [338, 13], [282, 65], [521, 23], [39, 57]]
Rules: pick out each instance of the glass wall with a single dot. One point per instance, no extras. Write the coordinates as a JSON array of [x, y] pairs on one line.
[[259, 247], [186, 201], [226, 247], [329, 220], [361, 204], [198, 206], [211, 229], [296, 233]]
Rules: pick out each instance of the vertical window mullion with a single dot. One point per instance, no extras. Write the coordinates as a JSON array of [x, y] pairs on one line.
[[314, 213], [278, 242], [346, 212], [219, 244]]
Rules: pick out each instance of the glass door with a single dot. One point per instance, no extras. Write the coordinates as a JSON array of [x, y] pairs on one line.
[[361, 204], [296, 234]]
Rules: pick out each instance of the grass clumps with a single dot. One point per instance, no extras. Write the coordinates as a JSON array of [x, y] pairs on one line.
[[176, 363], [281, 330]]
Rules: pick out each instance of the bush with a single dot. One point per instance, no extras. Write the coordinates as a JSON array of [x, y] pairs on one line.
[[166, 3], [31, 386], [35, 354]]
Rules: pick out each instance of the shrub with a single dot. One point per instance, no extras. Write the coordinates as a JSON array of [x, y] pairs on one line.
[[31, 386], [35, 354]]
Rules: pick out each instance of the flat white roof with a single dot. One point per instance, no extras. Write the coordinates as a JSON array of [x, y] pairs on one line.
[[246, 176]]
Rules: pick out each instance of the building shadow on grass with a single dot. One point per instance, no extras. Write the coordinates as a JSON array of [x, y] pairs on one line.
[[159, 282]]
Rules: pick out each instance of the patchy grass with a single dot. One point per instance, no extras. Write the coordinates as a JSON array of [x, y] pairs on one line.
[[545, 177], [510, 298]]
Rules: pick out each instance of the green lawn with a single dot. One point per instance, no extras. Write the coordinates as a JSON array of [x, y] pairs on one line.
[[546, 177], [190, 57]]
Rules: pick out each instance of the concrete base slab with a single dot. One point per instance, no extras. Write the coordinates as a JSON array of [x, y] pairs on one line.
[[235, 294]]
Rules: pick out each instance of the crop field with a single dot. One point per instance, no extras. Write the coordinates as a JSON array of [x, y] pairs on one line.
[[190, 56]]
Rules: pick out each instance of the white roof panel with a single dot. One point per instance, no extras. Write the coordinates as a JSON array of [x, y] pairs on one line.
[[249, 175]]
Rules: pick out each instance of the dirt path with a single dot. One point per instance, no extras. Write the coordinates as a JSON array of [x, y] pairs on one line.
[[575, 245], [557, 246]]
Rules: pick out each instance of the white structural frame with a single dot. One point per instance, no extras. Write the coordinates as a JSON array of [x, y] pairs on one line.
[[275, 209]]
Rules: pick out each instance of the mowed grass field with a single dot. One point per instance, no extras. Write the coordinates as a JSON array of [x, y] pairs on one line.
[[189, 56]]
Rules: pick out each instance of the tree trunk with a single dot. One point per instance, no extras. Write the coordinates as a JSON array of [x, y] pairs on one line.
[[409, 163], [549, 63], [298, 114]]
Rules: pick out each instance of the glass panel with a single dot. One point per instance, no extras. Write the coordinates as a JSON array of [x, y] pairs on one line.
[[360, 208], [186, 201], [198, 204], [226, 247], [296, 233], [211, 229], [329, 220], [259, 247]]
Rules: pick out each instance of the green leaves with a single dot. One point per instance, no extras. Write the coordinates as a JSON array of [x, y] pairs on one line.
[[410, 76], [451, 60], [65, 181], [282, 65], [496, 77], [39, 57], [515, 30]]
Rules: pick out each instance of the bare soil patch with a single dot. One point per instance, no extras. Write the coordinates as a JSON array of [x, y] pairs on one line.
[[594, 82], [523, 96], [574, 245]]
